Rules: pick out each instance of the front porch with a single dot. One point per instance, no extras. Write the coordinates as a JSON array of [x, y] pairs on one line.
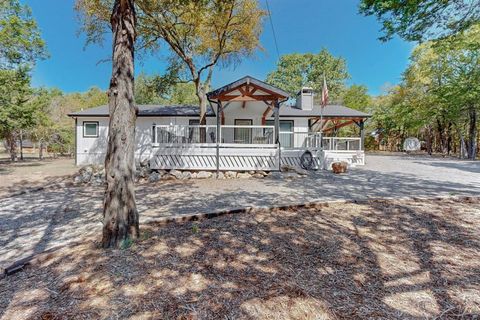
[[196, 147], [254, 131]]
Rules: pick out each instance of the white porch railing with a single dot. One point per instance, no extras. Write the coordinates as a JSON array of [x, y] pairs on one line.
[[237, 134], [207, 135], [177, 134], [249, 135], [312, 140], [300, 140], [240, 147], [342, 144]]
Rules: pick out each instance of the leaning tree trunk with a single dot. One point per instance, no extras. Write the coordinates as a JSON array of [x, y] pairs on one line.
[[203, 102], [120, 215]]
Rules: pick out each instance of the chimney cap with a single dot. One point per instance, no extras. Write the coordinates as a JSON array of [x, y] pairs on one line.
[[305, 90]]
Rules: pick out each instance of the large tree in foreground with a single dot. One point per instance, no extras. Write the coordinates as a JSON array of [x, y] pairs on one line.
[[420, 20], [120, 215]]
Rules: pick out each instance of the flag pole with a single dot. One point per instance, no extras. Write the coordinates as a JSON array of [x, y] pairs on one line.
[[322, 105]]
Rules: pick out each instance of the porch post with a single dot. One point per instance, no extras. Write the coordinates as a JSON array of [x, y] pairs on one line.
[[276, 111], [362, 135], [217, 139]]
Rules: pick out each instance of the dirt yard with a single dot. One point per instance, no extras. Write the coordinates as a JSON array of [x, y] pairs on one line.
[[33, 172], [370, 260]]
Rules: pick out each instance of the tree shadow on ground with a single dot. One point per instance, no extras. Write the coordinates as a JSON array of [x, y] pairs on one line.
[[190, 197], [34, 222], [34, 185], [362, 261]]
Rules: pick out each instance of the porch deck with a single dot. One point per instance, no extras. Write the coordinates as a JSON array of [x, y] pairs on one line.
[[196, 147]]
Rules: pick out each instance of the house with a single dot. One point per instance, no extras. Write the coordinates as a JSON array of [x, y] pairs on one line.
[[249, 126]]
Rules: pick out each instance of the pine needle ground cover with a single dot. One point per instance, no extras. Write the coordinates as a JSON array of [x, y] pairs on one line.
[[376, 259]]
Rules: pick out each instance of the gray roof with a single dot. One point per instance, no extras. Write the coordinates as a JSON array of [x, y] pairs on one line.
[[248, 79], [330, 111], [150, 111]]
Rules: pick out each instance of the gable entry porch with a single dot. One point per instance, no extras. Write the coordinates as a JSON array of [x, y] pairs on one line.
[[252, 130]]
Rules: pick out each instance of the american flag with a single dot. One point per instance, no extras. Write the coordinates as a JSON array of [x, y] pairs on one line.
[[324, 93]]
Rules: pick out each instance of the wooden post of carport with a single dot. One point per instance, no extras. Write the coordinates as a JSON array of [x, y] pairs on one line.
[[218, 137], [362, 134]]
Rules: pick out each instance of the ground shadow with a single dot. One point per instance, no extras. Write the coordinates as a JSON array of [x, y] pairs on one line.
[[332, 262], [466, 166]]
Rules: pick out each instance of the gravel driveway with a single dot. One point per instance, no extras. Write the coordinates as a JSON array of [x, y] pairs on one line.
[[33, 222]]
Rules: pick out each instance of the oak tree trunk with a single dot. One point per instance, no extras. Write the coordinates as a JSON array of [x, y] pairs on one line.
[[40, 151], [202, 101], [12, 146], [120, 213], [428, 138]]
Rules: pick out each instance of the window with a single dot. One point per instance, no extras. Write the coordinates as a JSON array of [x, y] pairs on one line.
[[285, 132], [90, 129]]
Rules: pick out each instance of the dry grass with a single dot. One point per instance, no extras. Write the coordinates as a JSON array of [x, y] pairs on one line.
[[382, 259]]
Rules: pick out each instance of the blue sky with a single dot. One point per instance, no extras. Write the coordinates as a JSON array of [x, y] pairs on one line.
[[300, 26]]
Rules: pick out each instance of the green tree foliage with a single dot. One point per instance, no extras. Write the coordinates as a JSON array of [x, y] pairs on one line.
[[54, 130], [199, 34], [439, 97], [147, 91], [16, 114], [157, 90], [297, 70], [20, 46], [357, 97], [421, 20], [20, 40]]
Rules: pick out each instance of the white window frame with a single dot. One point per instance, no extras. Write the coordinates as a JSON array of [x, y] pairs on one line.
[[89, 135]]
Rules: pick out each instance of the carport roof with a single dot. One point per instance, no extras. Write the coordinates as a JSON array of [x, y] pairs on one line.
[[330, 111]]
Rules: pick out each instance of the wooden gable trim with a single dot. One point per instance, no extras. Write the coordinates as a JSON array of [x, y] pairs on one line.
[[339, 125]]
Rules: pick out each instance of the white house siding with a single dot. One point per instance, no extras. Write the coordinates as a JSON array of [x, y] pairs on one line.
[[92, 150]]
